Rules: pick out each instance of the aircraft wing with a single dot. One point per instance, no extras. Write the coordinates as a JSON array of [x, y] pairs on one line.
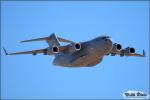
[[136, 54], [122, 53], [50, 50], [129, 51], [125, 52], [33, 52], [64, 40]]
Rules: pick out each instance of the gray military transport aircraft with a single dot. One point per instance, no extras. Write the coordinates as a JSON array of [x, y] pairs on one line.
[[83, 54]]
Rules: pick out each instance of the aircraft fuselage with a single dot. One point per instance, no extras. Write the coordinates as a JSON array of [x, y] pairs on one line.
[[91, 53]]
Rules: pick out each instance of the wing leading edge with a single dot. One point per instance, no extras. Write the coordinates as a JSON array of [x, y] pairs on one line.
[[33, 52]]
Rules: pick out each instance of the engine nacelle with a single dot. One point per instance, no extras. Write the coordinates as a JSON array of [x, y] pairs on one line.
[[55, 49], [77, 46], [71, 48], [117, 47], [52, 50], [130, 50], [74, 47]]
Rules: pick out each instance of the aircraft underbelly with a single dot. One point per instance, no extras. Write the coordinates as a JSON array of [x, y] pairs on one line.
[[82, 60], [88, 60]]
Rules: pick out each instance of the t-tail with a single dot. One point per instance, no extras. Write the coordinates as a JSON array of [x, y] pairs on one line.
[[51, 40]]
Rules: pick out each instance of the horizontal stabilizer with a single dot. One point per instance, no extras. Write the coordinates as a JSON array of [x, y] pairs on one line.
[[48, 39], [38, 39], [64, 40]]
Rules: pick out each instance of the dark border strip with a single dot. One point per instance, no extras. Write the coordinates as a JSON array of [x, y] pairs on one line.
[[76, 0]]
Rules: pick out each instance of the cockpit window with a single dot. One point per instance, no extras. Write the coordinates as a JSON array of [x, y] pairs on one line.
[[105, 37]]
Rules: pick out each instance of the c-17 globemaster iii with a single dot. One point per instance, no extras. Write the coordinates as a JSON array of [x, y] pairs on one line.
[[82, 54]]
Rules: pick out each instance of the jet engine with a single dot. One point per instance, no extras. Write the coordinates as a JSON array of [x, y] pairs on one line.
[[55, 49], [116, 49], [130, 50], [77, 46], [74, 47], [52, 50]]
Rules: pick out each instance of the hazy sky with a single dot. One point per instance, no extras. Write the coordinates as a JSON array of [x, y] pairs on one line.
[[27, 76]]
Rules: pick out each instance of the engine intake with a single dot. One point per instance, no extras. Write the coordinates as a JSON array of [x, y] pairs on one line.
[[77, 46], [55, 49], [118, 46], [132, 50], [116, 49]]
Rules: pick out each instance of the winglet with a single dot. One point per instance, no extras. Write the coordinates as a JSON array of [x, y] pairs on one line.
[[6, 53], [143, 52]]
